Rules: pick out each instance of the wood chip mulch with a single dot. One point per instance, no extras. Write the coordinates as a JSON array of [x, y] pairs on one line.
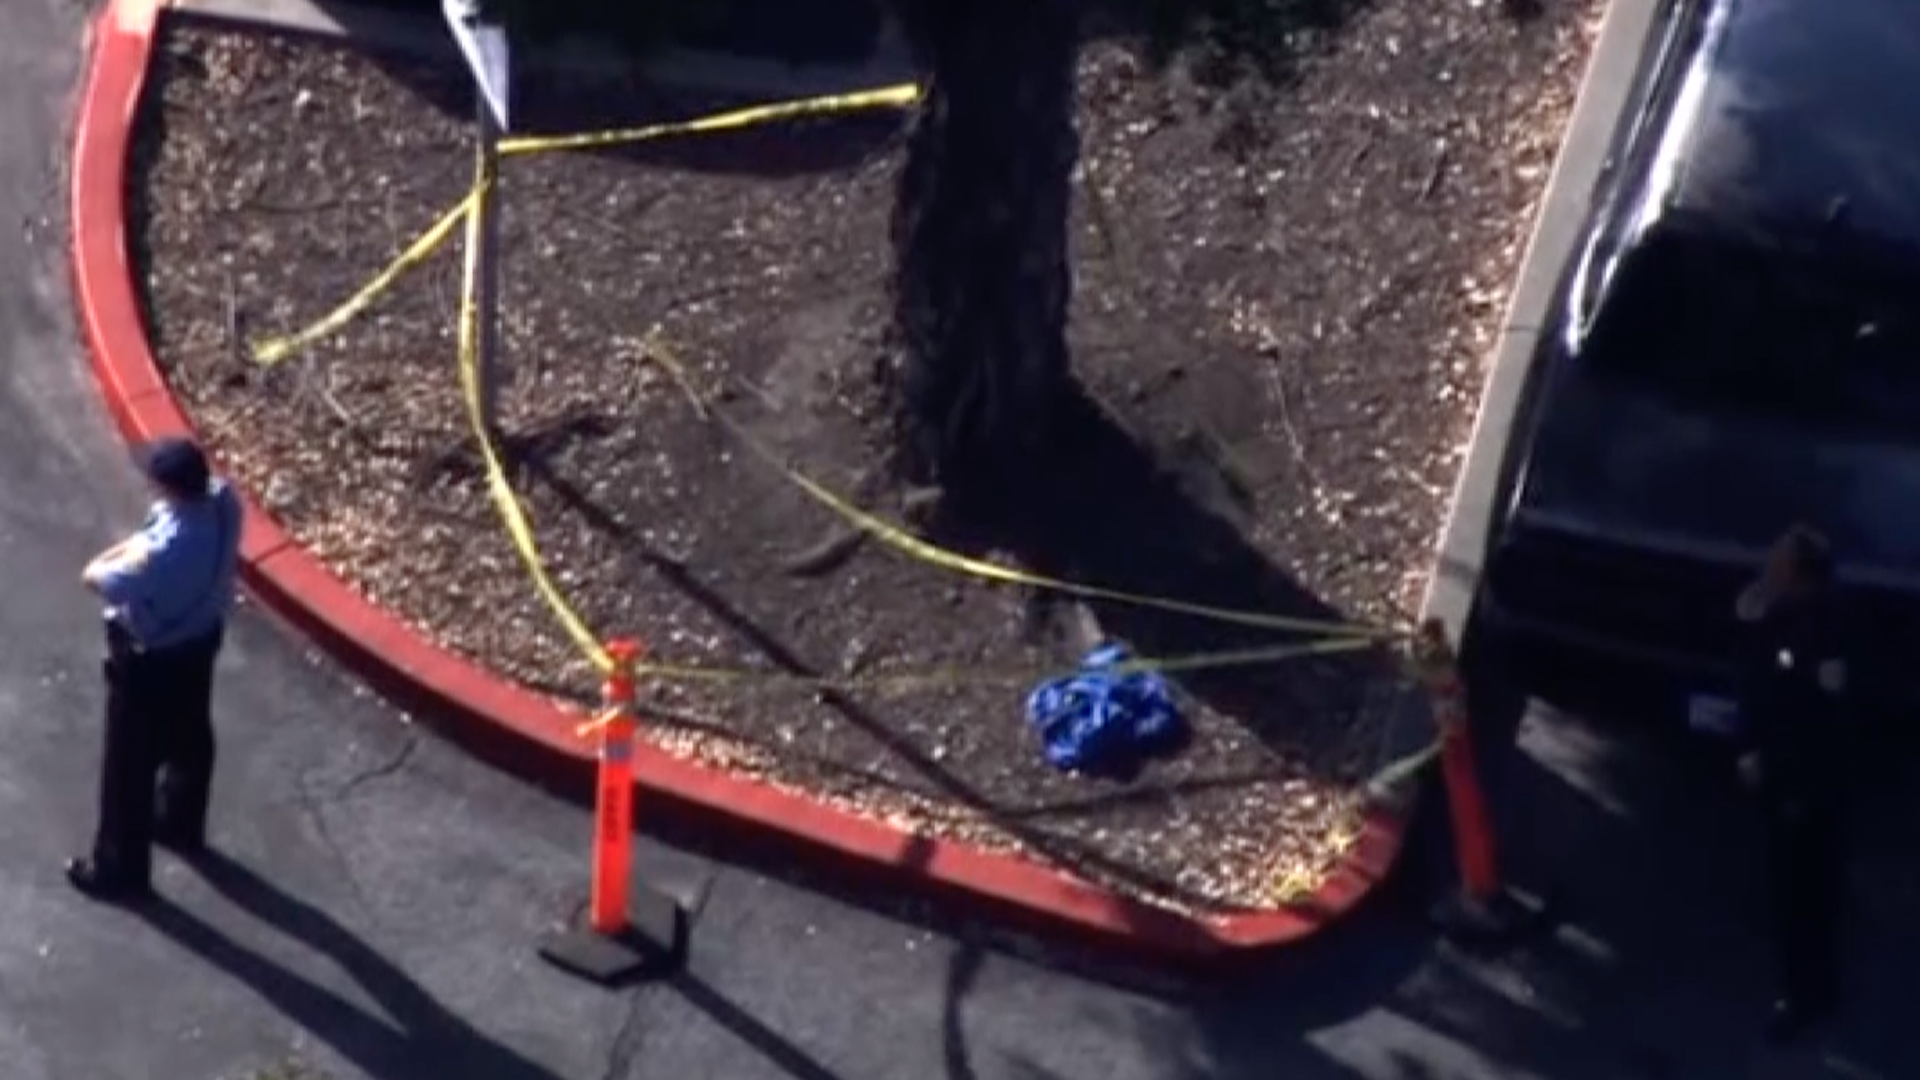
[[1287, 291]]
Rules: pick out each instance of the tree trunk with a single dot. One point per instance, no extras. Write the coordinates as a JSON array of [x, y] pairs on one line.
[[981, 272]]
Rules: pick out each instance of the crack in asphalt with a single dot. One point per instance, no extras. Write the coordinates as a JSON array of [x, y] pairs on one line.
[[626, 1040], [963, 972], [311, 804], [393, 764]]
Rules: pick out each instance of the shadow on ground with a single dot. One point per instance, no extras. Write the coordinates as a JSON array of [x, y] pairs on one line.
[[1110, 511], [1661, 969], [1259, 1023], [1654, 965], [415, 1037], [1228, 41]]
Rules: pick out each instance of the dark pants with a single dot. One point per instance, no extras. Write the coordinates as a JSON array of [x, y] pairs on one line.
[[159, 750], [1806, 881]]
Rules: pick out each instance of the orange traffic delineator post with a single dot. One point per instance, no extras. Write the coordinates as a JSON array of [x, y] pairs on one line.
[[1482, 907], [613, 797], [628, 932]]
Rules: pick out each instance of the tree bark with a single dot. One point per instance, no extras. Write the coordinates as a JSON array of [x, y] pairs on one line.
[[981, 272]]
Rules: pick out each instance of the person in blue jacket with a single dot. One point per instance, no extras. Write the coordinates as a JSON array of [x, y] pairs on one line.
[[167, 590]]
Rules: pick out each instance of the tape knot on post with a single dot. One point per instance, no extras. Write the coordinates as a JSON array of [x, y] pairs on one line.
[[623, 657]]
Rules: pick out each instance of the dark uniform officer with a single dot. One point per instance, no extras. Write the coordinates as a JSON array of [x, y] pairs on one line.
[[168, 590], [1794, 675]]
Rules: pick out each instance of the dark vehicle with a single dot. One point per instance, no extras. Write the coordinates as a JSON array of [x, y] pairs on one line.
[[1737, 350]]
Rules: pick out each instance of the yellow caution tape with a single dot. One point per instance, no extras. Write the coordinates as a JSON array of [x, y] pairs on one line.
[[895, 97], [498, 486], [274, 350], [605, 719], [1298, 880], [905, 542], [946, 678], [1395, 773], [520, 530]]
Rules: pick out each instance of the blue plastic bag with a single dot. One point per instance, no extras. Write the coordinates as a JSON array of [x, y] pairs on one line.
[[1103, 720]]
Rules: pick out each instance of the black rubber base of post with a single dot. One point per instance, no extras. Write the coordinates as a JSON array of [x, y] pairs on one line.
[[1504, 919], [653, 945]]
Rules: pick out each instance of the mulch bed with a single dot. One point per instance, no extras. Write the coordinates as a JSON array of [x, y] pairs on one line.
[[1285, 292]]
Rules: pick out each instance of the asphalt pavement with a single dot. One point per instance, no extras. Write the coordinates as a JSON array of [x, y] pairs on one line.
[[373, 909]]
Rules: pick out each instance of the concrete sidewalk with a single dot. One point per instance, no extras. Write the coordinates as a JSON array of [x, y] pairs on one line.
[[379, 894]]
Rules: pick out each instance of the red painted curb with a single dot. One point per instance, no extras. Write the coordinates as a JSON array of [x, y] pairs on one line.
[[530, 734]]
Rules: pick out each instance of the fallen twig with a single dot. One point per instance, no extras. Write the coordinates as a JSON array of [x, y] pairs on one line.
[[353, 423], [831, 553], [1216, 447], [758, 393], [919, 505], [1292, 433], [236, 338], [1435, 173], [1099, 209]]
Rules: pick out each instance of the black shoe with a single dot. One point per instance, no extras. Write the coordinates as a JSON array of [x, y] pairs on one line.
[[180, 841], [86, 876], [1792, 1016], [1786, 1021]]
